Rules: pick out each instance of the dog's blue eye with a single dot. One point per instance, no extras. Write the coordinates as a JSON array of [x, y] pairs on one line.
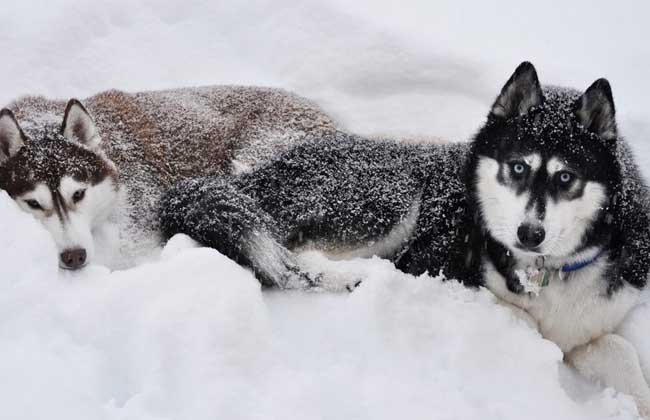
[[565, 177], [34, 204], [519, 168], [78, 195]]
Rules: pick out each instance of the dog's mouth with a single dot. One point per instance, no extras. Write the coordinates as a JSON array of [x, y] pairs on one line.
[[66, 268]]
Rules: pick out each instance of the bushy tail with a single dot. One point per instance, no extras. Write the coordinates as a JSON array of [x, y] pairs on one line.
[[216, 213]]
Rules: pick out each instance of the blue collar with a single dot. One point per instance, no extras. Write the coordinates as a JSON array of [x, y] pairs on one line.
[[578, 264]]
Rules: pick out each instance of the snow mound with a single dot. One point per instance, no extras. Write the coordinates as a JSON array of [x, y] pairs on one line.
[[193, 336]]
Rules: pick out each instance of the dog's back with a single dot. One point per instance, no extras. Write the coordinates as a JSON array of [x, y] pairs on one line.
[[189, 132], [157, 138]]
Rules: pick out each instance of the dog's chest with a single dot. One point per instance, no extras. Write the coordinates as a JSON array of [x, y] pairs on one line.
[[573, 310]]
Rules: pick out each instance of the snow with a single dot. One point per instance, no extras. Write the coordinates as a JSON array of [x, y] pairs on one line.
[[192, 336]]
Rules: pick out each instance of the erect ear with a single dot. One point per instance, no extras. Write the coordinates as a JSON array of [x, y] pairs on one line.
[[12, 137], [520, 93], [595, 110], [78, 125]]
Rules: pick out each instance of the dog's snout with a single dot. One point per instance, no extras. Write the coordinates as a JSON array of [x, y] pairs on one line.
[[73, 259], [531, 235]]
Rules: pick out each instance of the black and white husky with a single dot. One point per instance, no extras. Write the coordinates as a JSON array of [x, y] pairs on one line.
[[545, 207], [95, 184]]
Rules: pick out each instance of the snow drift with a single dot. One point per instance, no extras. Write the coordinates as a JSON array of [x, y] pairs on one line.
[[193, 337]]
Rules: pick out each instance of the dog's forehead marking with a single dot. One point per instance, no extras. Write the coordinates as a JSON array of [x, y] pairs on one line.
[[487, 165], [68, 186], [534, 160], [555, 165]]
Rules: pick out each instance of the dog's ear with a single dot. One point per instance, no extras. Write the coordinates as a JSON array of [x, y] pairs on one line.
[[520, 93], [12, 137], [595, 110], [79, 126]]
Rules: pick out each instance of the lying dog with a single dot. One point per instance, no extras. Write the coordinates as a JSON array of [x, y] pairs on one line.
[[99, 182], [545, 208]]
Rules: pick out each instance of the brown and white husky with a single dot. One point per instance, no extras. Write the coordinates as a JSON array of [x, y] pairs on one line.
[[95, 183]]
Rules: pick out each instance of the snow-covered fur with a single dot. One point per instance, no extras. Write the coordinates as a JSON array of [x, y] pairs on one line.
[[546, 182], [339, 193], [95, 181]]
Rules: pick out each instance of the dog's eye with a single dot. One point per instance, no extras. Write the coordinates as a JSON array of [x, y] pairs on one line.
[[519, 169], [78, 195], [564, 178], [34, 204]]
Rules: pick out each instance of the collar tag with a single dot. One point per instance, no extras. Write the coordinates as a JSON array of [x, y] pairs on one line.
[[533, 279], [541, 278]]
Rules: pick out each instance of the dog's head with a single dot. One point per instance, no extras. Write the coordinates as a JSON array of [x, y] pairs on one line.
[[544, 166], [62, 178]]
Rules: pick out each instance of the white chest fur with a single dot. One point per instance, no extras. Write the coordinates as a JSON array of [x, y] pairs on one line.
[[573, 310]]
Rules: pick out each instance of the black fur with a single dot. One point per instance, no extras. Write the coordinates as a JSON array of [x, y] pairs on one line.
[[345, 189], [335, 190]]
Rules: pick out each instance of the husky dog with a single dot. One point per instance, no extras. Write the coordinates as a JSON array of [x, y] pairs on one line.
[[545, 207], [94, 181]]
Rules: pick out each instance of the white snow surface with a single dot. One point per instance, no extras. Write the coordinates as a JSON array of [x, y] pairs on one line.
[[192, 336]]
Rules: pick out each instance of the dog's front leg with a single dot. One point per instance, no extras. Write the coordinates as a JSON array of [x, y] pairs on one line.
[[613, 361]]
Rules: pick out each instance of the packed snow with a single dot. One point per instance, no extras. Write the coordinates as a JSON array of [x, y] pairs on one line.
[[192, 335]]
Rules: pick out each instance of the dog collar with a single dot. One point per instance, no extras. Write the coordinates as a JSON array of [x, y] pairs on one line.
[[535, 278], [579, 263]]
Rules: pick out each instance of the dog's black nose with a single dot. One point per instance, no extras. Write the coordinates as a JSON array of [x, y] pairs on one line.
[[531, 235], [73, 258]]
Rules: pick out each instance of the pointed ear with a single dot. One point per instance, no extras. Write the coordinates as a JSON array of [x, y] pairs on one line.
[[12, 137], [79, 126], [595, 110], [520, 93]]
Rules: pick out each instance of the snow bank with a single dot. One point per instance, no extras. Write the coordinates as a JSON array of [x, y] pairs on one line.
[[413, 67], [193, 337]]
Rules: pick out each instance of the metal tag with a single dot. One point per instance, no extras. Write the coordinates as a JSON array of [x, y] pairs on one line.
[[541, 278]]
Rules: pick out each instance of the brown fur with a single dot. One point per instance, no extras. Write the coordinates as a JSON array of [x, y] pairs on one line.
[[158, 138]]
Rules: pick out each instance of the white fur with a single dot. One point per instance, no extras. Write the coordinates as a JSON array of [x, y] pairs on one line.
[[504, 211], [40, 193], [613, 360], [570, 311], [534, 161], [567, 220], [76, 230], [577, 314], [554, 165]]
